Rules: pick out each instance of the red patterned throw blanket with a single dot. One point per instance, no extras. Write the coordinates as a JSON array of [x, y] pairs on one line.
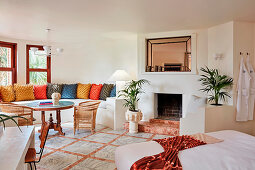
[[168, 160]]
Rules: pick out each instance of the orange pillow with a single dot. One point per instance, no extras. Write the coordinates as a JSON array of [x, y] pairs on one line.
[[83, 91], [24, 92], [40, 91], [0, 96], [7, 93], [95, 91]]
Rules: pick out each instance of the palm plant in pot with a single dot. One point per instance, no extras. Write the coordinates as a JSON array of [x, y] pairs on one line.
[[4, 117], [131, 94], [216, 85]]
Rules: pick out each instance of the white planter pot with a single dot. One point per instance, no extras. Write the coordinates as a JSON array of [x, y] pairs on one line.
[[133, 118]]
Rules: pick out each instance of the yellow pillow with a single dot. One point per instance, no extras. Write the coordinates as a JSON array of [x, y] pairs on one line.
[[83, 91], [24, 92], [7, 93]]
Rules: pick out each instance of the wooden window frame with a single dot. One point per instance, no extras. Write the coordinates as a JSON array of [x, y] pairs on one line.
[[28, 70], [13, 67]]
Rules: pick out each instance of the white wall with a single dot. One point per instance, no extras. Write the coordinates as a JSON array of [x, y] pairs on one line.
[[92, 60], [220, 40], [173, 83]]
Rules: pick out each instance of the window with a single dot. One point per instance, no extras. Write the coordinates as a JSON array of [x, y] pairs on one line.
[[8, 65], [38, 66]]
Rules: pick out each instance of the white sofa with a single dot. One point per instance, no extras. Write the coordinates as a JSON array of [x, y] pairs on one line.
[[111, 113]]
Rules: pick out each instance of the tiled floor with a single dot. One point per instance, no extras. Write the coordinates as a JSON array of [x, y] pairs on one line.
[[85, 150]]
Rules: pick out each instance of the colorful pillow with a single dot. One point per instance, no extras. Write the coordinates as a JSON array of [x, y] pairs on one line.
[[40, 91], [69, 91], [105, 92], [53, 88], [83, 91], [0, 95], [7, 93], [24, 92], [113, 91], [95, 91]]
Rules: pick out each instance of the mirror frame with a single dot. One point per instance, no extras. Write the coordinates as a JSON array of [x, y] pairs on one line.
[[142, 52]]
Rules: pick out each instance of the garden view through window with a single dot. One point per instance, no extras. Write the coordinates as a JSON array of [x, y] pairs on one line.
[[7, 63], [38, 66]]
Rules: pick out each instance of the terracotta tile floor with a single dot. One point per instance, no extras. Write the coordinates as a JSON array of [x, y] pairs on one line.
[[85, 150]]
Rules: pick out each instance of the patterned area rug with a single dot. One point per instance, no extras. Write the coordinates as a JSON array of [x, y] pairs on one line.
[[84, 150]]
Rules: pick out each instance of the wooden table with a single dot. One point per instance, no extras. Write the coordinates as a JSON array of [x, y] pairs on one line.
[[62, 106], [14, 145]]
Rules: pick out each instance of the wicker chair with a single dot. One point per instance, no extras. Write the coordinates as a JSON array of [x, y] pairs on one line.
[[85, 115], [18, 110]]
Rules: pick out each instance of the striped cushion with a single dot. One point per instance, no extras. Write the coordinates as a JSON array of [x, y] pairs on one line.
[[24, 92], [53, 88], [7, 93], [69, 91], [95, 91], [83, 91], [40, 91], [106, 90]]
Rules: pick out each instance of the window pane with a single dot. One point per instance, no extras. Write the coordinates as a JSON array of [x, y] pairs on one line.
[[38, 77], [38, 60], [5, 78], [5, 57]]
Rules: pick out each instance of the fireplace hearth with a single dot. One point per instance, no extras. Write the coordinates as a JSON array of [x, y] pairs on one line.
[[169, 106]]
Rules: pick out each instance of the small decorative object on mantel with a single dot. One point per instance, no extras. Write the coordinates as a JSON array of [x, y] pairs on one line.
[[55, 98], [216, 85], [131, 96], [148, 68]]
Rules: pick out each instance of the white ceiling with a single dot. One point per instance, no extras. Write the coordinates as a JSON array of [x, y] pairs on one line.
[[76, 19]]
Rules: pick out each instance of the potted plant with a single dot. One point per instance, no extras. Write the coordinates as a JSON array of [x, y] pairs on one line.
[[131, 94], [215, 84], [4, 117]]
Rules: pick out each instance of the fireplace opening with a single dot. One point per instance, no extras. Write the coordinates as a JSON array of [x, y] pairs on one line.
[[169, 106]]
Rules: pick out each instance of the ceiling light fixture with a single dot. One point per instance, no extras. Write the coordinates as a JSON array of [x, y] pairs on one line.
[[47, 48]]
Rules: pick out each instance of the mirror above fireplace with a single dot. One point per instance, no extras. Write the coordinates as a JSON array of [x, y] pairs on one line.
[[167, 53], [171, 54]]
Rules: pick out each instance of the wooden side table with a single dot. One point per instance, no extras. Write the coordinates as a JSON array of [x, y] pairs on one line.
[[63, 105]]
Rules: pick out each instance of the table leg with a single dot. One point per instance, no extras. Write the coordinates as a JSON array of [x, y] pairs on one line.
[[57, 126], [43, 121]]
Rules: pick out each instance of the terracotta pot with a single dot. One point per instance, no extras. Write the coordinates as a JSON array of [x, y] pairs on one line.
[[133, 118]]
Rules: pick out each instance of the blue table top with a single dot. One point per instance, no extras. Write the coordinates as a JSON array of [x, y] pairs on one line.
[[61, 104]]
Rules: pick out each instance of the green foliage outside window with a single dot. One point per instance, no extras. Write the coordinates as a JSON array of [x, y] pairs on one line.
[[5, 76], [37, 61]]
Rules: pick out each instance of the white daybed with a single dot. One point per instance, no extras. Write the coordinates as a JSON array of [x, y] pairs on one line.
[[110, 113], [236, 152]]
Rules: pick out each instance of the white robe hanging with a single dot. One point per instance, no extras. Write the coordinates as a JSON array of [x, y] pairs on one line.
[[243, 87], [252, 88]]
